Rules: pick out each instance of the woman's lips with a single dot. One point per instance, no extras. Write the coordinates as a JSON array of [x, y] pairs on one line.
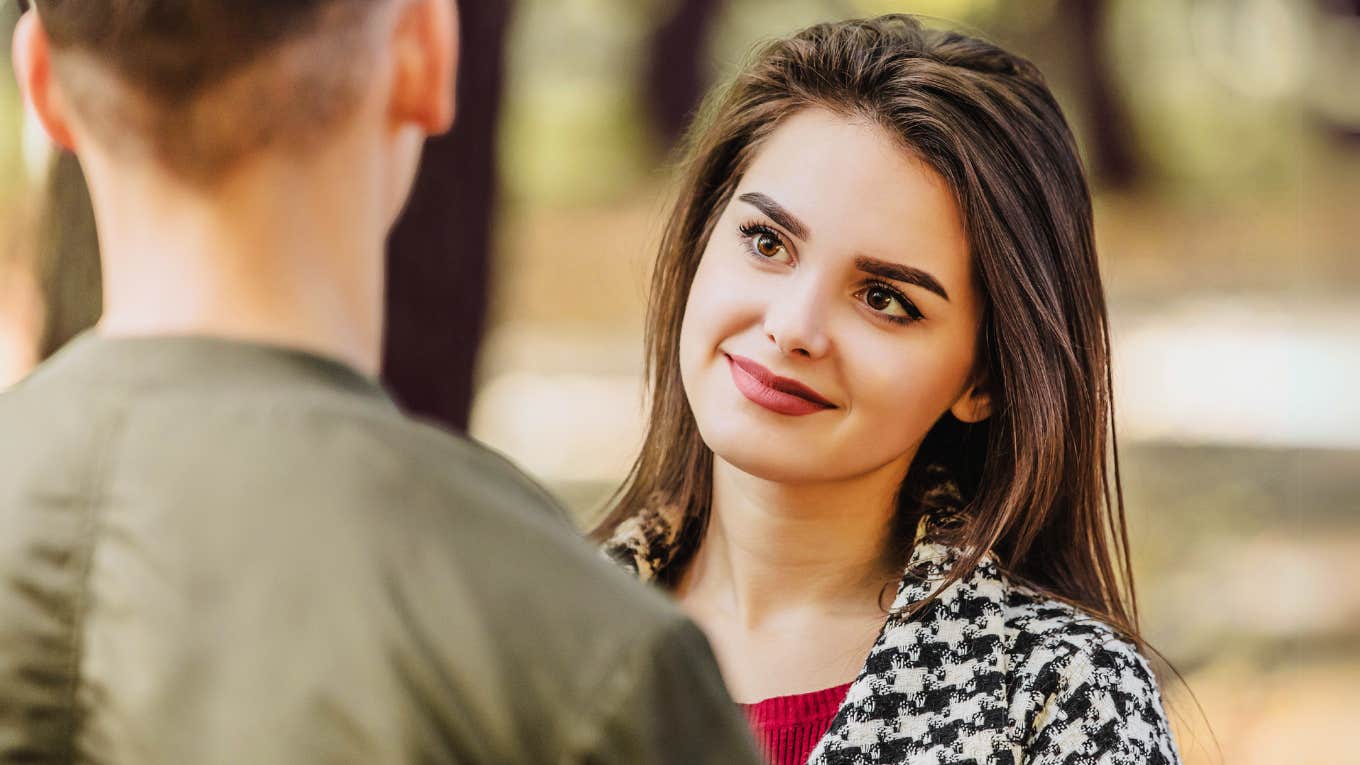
[[778, 394]]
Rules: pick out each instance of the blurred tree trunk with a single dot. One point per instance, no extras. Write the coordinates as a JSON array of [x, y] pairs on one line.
[[1111, 144], [439, 253], [676, 80]]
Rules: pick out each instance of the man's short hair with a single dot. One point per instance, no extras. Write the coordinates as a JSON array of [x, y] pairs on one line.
[[199, 84]]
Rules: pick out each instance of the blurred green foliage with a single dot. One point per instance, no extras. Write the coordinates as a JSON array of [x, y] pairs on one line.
[[1212, 85]]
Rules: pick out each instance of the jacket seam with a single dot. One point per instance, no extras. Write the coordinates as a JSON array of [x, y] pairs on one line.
[[95, 487]]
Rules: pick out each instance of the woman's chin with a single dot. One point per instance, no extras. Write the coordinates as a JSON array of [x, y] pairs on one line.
[[774, 460], [753, 444], [775, 470]]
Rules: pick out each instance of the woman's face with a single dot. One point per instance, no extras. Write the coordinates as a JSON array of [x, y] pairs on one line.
[[833, 317]]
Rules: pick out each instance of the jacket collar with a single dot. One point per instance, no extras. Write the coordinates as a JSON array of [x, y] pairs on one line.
[[933, 688]]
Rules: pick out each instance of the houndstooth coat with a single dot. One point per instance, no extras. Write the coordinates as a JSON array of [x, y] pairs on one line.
[[992, 673]]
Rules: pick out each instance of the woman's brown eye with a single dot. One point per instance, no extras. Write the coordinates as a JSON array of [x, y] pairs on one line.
[[878, 299], [768, 245]]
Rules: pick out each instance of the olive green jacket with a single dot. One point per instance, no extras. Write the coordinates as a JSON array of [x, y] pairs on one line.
[[213, 552]]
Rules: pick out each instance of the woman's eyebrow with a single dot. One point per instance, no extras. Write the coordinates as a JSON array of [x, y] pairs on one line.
[[882, 268], [776, 212], [900, 273]]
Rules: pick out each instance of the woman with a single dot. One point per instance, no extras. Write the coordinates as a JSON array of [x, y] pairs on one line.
[[876, 469]]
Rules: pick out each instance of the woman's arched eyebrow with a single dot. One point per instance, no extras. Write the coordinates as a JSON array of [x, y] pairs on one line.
[[900, 273], [777, 213], [881, 268]]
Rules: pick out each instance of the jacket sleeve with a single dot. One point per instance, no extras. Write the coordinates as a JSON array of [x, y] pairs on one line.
[[666, 705], [1104, 706]]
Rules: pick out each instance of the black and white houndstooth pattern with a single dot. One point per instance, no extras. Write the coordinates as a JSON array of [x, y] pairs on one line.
[[992, 672]]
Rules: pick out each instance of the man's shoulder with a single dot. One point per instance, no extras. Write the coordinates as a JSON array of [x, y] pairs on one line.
[[295, 444], [491, 571], [436, 509], [382, 444], [309, 469]]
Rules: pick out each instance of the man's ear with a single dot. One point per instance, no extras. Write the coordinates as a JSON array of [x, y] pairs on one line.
[[32, 55], [425, 42], [975, 405]]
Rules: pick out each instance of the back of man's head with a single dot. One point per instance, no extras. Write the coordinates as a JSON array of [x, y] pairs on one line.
[[201, 83]]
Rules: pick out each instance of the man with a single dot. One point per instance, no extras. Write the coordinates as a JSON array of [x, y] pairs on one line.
[[219, 541]]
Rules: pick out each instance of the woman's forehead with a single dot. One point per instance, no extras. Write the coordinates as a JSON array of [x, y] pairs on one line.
[[854, 187]]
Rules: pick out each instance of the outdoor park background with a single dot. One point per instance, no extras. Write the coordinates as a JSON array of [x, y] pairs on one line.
[[1223, 137]]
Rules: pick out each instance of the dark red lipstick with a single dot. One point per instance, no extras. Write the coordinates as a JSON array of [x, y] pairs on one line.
[[778, 394]]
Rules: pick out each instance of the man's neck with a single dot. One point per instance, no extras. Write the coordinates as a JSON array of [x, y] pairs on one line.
[[274, 255]]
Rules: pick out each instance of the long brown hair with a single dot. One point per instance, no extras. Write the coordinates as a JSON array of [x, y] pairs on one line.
[[1041, 475]]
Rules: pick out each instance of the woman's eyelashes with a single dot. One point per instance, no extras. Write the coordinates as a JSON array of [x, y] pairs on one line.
[[887, 302], [765, 243]]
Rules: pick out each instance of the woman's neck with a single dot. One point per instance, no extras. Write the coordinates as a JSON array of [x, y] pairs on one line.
[[776, 550]]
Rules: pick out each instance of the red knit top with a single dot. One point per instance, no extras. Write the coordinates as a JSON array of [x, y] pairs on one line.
[[789, 727]]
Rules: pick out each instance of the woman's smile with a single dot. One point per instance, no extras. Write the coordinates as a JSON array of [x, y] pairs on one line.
[[778, 394]]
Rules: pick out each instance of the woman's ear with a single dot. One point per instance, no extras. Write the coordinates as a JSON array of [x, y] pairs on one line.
[[32, 55], [975, 405]]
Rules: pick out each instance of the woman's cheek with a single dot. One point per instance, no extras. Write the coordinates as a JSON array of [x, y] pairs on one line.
[[701, 331], [903, 386], [724, 299]]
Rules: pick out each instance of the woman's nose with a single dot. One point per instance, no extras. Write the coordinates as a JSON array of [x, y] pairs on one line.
[[795, 321]]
